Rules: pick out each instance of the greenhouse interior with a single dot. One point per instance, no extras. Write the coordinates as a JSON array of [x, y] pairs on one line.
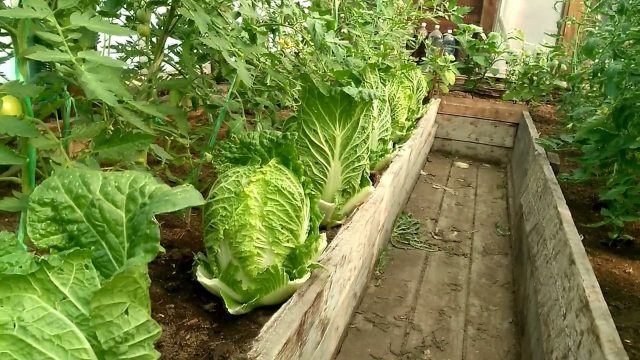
[[319, 179]]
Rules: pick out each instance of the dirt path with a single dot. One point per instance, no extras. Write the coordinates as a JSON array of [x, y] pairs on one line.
[[453, 303]]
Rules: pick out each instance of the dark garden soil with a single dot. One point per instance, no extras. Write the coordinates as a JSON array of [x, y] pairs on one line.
[[617, 268], [195, 324]]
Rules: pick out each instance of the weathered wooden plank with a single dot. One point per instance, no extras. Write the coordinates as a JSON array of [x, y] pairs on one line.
[[482, 109], [569, 30], [491, 323], [488, 153], [438, 323], [311, 324], [380, 323], [489, 15], [564, 313], [481, 131]]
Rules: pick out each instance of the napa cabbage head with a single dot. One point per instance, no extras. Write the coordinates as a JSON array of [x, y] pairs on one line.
[[333, 140], [400, 100], [381, 145], [407, 90], [261, 237]]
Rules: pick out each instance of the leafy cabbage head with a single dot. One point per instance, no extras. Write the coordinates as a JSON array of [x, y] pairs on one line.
[[334, 145], [261, 237], [381, 145], [406, 90]]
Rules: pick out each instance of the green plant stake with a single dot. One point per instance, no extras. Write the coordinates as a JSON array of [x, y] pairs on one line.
[[214, 134], [23, 74], [66, 120]]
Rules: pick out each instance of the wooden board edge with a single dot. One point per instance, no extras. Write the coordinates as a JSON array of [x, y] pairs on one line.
[[605, 330], [482, 109], [501, 134], [308, 325]]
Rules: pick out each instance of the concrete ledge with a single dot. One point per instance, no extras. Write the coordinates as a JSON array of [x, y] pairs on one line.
[[311, 324], [563, 314]]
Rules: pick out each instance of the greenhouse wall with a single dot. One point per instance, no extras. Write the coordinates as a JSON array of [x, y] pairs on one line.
[[536, 19]]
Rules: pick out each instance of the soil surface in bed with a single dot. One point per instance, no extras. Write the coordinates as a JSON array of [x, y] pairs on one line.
[[456, 299], [195, 324]]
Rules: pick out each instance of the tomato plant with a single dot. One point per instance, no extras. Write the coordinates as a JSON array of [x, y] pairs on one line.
[[537, 76], [603, 110], [480, 53]]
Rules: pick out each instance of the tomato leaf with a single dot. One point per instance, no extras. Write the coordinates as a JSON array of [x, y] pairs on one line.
[[122, 145], [98, 58], [9, 157], [48, 55], [96, 24], [21, 90], [12, 126]]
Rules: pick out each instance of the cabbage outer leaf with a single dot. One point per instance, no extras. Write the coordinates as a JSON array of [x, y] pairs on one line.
[[334, 143], [111, 213], [380, 112], [62, 311]]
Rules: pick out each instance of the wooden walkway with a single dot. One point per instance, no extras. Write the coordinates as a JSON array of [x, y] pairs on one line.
[[453, 303]]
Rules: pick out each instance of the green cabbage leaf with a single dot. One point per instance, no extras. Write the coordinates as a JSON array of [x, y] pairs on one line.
[[381, 145], [334, 144], [58, 307], [111, 213], [407, 91]]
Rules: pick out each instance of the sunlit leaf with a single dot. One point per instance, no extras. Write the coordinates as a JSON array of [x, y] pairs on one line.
[[98, 58], [97, 24]]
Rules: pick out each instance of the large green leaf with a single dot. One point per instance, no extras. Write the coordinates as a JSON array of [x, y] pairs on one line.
[[380, 112], [333, 140], [120, 314], [44, 315], [111, 213], [61, 310]]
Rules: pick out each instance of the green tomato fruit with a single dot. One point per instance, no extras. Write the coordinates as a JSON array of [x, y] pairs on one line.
[[11, 106], [144, 31], [143, 17]]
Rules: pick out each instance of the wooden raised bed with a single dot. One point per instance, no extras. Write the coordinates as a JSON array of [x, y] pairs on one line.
[[560, 310], [563, 313]]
